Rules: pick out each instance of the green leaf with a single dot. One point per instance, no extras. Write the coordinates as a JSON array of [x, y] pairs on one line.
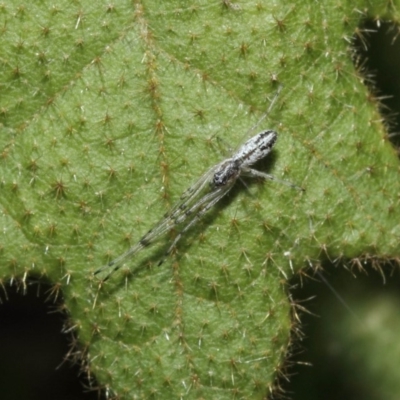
[[109, 112]]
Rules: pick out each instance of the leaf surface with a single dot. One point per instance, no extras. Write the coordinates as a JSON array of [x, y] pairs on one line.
[[109, 112]]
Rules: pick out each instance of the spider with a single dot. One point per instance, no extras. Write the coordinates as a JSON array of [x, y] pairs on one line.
[[204, 194]]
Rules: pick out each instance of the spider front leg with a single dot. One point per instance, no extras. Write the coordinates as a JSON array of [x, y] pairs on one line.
[[211, 200]]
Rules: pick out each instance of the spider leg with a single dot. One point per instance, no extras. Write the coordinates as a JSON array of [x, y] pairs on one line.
[[118, 262], [179, 214], [211, 200], [253, 173], [197, 206], [193, 191]]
